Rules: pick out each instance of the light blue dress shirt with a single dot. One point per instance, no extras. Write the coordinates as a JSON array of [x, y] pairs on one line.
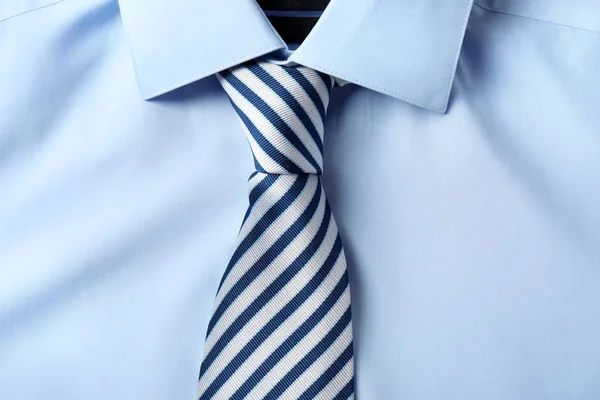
[[462, 163]]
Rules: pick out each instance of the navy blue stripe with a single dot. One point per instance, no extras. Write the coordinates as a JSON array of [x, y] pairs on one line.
[[328, 375], [306, 327], [261, 187], [284, 314], [290, 100], [258, 191], [327, 80], [259, 266], [257, 164], [272, 152], [263, 224], [346, 391], [310, 357], [270, 115], [309, 88]]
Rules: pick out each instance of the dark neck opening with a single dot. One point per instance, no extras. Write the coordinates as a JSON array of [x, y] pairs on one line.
[[293, 19]]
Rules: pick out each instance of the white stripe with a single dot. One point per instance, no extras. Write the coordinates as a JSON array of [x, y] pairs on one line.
[[338, 382], [297, 318], [263, 158], [317, 369], [314, 78], [280, 225], [271, 196], [300, 350], [281, 108], [255, 180], [199, 391], [278, 265], [299, 93], [279, 141]]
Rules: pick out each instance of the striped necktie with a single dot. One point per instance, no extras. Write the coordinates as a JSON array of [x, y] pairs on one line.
[[281, 324]]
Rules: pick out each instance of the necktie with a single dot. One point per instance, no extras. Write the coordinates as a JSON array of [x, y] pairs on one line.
[[281, 324]]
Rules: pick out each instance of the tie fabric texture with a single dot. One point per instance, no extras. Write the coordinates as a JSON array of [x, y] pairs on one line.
[[281, 326]]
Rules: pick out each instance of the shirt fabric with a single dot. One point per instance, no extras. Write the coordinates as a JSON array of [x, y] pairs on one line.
[[462, 163]]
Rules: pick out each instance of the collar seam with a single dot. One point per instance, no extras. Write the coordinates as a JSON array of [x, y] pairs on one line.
[[28, 10], [214, 71], [130, 47], [457, 55], [531, 16], [376, 88]]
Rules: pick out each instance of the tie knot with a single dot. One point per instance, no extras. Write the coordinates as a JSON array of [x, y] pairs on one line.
[[282, 109]]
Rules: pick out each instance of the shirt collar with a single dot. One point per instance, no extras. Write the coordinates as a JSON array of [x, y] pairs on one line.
[[406, 49]]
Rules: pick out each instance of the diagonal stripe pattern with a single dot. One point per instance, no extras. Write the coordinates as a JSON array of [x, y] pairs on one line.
[[281, 326]]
